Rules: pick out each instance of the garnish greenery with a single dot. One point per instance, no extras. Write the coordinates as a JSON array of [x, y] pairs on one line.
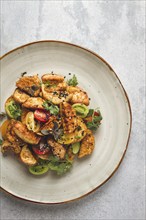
[[73, 81], [54, 110], [14, 110], [94, 124], [1, 141]]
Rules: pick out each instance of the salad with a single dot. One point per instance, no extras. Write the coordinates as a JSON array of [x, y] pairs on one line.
[[47, 123]]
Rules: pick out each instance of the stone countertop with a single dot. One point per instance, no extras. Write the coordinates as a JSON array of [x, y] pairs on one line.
[[115, 30]]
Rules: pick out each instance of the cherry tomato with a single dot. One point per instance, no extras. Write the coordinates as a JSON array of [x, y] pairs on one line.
[[41, 115], [41, 149], [96, 114]]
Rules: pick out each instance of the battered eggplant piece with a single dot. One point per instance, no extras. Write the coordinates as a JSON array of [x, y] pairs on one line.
[[34, 103], [69, 118], [7, 146], [23, 133], [78, 95], [29, 84], [87, 144], [52, 78], [55, 97], [57, 149], [20, 96], [27, 157]]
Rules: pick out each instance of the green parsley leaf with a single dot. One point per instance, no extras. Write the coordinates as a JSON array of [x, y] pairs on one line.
[[90, 113], [54, 110], [73, 81], [1, 141]]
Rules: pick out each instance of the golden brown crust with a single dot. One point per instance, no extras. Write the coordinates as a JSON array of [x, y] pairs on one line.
[[71, 155], [7, 146], [87, 144], [27, 157], [34, 103], [23, 133], [55, 97], [68, 117], [29, 84], [78, 95], [57, 149], [52, 77], [20, 96]]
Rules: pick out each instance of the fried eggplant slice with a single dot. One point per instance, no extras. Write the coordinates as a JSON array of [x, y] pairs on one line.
[[7, 146], [55, 97], [70, 154], [29, 84], [57, 149], [34, 103], [23, 115], [23, 133], [11, 136], [55, 87], [87, 145], [27, 157], [78, 95], [69, 118], [52, 78], [20, 96]]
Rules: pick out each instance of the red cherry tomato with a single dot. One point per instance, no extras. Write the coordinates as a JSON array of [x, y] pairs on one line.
[[41, 115], [42, 148], [40, 151], [96, 114]]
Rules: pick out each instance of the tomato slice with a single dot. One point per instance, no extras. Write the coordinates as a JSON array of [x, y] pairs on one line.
[[96, 113], [42, 148], [40, 151], [41, 115]]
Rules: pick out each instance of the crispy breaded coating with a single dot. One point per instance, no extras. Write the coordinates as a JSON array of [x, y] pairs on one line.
[[50, 124], [71, 155], [57, 149], [27, 157], [52, 77], [7, 146], [55, 87], [69, 118], [29, 84], [87, 144], [23, 115], [11, 136], [55, 97], [34, 103], [23, 133], [78, 95], [20, 96]]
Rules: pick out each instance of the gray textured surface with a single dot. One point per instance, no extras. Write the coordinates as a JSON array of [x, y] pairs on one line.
[[115, 30]]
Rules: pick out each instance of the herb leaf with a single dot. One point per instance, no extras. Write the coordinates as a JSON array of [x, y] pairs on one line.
[[73, 81], [54, 110], [94, 124], [1, 141]]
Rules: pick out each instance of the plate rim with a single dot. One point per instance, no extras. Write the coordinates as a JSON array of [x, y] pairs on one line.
[[129, 107]]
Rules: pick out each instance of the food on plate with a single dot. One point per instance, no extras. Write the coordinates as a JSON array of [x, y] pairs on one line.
[[49, 123]]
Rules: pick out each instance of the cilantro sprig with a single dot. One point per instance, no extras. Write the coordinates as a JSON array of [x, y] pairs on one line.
[[54, 110], [96, 119], [73, 81]]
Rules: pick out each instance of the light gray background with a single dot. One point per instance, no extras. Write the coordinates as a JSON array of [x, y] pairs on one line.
[[115, 30]]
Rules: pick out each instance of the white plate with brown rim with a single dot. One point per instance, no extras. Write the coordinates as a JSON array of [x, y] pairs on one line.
[[100, 81]]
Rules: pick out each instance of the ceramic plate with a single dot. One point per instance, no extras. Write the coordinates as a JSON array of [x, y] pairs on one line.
[[104, 89]]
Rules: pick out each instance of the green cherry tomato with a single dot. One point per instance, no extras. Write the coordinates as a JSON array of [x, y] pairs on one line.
[[38, 169], [81, 109]]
